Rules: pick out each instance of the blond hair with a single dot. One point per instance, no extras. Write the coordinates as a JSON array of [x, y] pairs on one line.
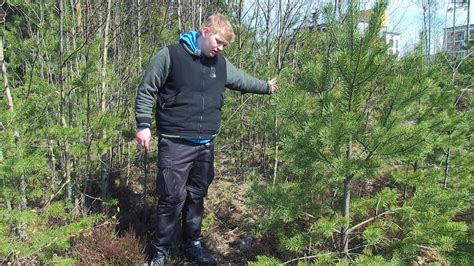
[[219, 24]]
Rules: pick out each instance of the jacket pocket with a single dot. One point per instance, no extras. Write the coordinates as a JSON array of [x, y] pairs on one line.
[[166, 101]]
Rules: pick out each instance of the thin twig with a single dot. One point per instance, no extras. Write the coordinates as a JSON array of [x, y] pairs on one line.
[[307, 257], [55, 194]]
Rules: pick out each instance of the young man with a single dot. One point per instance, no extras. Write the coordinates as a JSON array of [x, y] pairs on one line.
[[189, 79]]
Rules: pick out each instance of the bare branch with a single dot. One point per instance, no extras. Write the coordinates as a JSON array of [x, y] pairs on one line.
[[375, 217], [308, 257]]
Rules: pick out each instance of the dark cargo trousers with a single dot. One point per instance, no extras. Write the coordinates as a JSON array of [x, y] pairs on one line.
[[185, 171]]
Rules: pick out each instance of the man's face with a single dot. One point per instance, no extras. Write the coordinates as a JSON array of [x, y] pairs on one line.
[[213, 43]]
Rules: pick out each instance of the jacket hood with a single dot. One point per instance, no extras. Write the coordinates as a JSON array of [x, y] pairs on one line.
[[190, 41]]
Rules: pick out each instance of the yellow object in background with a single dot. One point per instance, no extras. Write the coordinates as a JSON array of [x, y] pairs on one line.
[[365, 16]]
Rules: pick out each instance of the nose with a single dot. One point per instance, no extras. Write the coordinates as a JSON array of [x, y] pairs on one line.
[[220, 47]]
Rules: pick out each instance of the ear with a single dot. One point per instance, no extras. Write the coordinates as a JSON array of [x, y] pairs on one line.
[[205, 31]]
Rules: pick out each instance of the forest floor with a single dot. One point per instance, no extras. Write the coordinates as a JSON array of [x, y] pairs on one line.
[[227, 223]]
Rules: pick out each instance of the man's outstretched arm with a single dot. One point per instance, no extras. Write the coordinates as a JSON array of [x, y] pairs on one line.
[[241, 81]]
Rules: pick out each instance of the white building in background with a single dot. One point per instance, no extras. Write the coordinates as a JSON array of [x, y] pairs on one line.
[[455, 40], [393, 40]]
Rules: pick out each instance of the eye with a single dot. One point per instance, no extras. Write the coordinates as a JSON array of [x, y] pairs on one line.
[[221, 42]]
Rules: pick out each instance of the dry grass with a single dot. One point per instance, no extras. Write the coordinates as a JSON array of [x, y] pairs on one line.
[[102, 246]]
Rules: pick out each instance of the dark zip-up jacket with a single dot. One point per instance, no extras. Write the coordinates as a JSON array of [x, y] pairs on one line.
[[190, 92]]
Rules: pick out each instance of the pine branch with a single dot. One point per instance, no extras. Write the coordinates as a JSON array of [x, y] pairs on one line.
[[308, 257], [369, 77], [375, 217], [325, 158]]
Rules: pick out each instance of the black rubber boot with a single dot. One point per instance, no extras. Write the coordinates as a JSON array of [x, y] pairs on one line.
[[197, 253], [158, 259]]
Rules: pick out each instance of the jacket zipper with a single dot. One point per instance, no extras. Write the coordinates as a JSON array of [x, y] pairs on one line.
[[202, 102]]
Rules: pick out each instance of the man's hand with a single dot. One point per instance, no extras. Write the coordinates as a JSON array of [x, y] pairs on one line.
[[273, 85], [143, 137]]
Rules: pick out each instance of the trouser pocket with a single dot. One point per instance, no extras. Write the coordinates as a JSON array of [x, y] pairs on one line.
[[201, 177]]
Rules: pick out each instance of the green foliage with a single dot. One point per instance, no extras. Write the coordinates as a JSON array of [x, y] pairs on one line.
[[397, 132], [373, 234], [324, 227], [355, 115], [264, 260], [42, 235], [372, 260], [429, 223], [58, 260], [295, 242], [208, 221], [285, 203]]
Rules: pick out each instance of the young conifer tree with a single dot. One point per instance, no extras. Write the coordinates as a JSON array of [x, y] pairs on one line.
[[354, 115]]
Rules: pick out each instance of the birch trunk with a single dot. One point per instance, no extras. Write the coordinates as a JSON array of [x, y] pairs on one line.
[[104, 160], [7, 93], [66, 159]]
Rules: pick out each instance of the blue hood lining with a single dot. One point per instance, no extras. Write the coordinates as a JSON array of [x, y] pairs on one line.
[[190, 39]]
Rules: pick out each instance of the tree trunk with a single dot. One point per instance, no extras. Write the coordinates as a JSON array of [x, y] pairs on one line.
[[52, 161], [78, 9], [23, 203], [139, 42], [3, 67], [453, 54], [103, 162], [180, 20], [275, 164], [128, 164], [468, 44], [240, 65], [430, 18], [74, 30], [88, 146], [446, 162], [61, 66], [103, 71], [425, 28], [22, 185], [62, 118], [347, 187], [7, 92], [347, 202]]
